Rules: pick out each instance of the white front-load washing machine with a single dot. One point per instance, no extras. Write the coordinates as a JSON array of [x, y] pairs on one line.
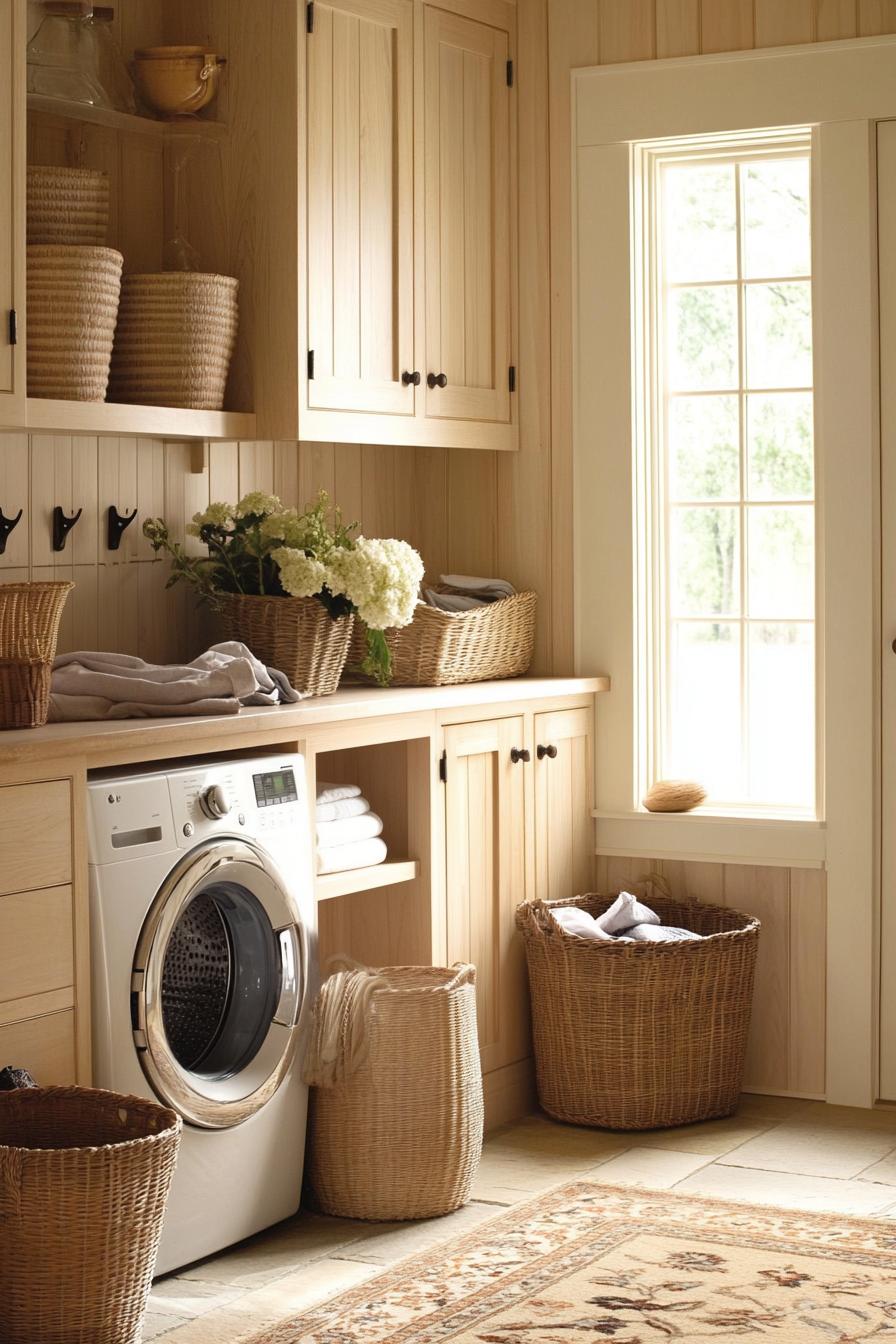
[[203, 933]]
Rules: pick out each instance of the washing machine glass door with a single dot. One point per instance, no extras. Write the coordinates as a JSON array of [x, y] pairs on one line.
[[218, 984]]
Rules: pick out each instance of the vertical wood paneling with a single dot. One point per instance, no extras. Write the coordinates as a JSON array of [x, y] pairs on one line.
[[765, 892], [780, 25], [677, 27], [876, 16], [14, 495], [627, 30], [726, 25], [835, 19], [808, 964]]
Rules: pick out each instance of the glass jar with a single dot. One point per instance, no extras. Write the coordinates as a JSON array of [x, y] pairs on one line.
[[62, 56], [113, 74]]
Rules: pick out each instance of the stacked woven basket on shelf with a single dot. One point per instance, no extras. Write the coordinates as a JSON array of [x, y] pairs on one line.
[[73, 284], [169, 336]]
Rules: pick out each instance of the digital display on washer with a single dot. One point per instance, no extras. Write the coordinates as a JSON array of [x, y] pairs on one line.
[[275, 786]]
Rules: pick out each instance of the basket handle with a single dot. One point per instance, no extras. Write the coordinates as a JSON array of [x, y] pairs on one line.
[[11, 1161], [464, 974]]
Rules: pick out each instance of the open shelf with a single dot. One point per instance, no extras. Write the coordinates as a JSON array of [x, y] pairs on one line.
[[125, 121], [388, 874], [155, 422]]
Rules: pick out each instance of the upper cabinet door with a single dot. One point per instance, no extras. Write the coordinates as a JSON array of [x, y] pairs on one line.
[[360, 207], [12, 207], [469, 183]]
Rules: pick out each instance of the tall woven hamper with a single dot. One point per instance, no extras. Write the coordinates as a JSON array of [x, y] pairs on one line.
[[635, 1035], [400, 1136], [84, 1178]]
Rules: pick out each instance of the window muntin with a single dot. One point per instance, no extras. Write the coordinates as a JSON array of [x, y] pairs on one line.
[[727, 484]]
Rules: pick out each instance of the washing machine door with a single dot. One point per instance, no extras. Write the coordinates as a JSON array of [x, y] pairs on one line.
[[218, 984]]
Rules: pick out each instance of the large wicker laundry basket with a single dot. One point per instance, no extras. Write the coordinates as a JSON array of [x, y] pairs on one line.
[[67, 206], [401, 1136], [29, 625], [84, 1177], [174, 341], [73, 295], [640, 1035], [294, 634], [445, 648]]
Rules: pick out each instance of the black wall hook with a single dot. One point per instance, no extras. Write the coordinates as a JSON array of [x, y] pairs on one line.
[[116, 525], [62, 525], [7, 525]]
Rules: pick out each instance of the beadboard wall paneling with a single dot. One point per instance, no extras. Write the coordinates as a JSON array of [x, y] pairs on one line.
[[786, 1052]]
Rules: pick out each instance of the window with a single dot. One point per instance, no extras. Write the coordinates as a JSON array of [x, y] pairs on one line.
[[724, 477]]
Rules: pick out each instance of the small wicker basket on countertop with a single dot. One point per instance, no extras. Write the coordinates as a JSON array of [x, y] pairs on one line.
[[29, 626], [446, 648], [84, 1179], [633, 1035], [294, 634]]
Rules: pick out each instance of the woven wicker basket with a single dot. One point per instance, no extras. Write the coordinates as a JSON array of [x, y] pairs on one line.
[[68, 206], [29, 625], [174, 341], [402, 1137], [443, 648], [640, 1035], [72, 306], [293, 634], [84, 1177]]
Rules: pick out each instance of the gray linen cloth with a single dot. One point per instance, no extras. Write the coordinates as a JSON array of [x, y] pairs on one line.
[[97, 685]]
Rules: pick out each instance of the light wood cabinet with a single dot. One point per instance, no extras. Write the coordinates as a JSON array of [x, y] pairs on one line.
[[12, 210], [408, 309], [485, 823], [518, 827], [467, 170], [35, 836], [360, 206]]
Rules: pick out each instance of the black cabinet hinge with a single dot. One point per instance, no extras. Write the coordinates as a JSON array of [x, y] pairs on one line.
[[510, 74], [13, 327], [511, 377], [310, 364], [309, 17], [443, 767]]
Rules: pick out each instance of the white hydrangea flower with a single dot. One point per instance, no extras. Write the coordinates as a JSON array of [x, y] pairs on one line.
[[300, 574], [216, 515], [285, 526], [258, 503], [381, 578]]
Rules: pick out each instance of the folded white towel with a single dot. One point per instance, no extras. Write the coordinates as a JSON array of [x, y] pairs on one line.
[[573, 920], [346, 830], [625, 911], [334, 793], [660, 933], [452, 601], [344, 858], [344, 807], [476, 587], [627, 920]]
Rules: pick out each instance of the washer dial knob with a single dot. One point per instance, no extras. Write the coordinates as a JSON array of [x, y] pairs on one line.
[[214, 802]]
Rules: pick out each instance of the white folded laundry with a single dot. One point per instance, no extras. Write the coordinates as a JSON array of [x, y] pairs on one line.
[[344, 858], [661, 933], [452, 601], [334, 793], [573, 920], [346, 830], [343, 807], [625, 911], [476, 587]]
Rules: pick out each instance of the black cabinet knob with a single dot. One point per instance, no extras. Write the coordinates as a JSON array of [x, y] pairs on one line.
[[436, 380], [517, 755], [411, 379], [550, 751]]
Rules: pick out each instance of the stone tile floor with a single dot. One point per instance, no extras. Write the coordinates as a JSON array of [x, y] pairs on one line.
[[774, 1150]]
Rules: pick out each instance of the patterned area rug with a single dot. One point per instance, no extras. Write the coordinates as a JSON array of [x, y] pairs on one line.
[[590, 1262]]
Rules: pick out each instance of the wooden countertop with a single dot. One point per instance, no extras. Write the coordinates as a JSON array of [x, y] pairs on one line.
[[102, 741]]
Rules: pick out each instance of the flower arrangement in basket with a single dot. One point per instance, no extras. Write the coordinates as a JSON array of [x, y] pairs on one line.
[[288, 584]]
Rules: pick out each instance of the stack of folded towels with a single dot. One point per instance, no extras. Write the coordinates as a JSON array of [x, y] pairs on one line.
[[348, 833], [465, 592], [626, 921]]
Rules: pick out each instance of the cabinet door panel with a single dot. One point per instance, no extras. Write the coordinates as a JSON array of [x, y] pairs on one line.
[[564, 829], [35, 836], [485, 834], [469, 251], [360, 205], [12, 212]]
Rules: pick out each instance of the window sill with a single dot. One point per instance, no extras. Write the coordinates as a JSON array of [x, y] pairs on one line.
[[713, 837]]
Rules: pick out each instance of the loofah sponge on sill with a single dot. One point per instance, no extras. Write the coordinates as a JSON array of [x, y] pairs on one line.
[[674, 795]]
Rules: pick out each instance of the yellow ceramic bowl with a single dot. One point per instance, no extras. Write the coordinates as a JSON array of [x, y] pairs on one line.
[[177, 81]]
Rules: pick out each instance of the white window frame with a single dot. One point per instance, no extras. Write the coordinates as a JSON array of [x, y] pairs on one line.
[[840, 89], [651, 615]]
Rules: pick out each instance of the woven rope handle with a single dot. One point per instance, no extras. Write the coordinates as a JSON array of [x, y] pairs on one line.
[[10, 1183], [465, 974]]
